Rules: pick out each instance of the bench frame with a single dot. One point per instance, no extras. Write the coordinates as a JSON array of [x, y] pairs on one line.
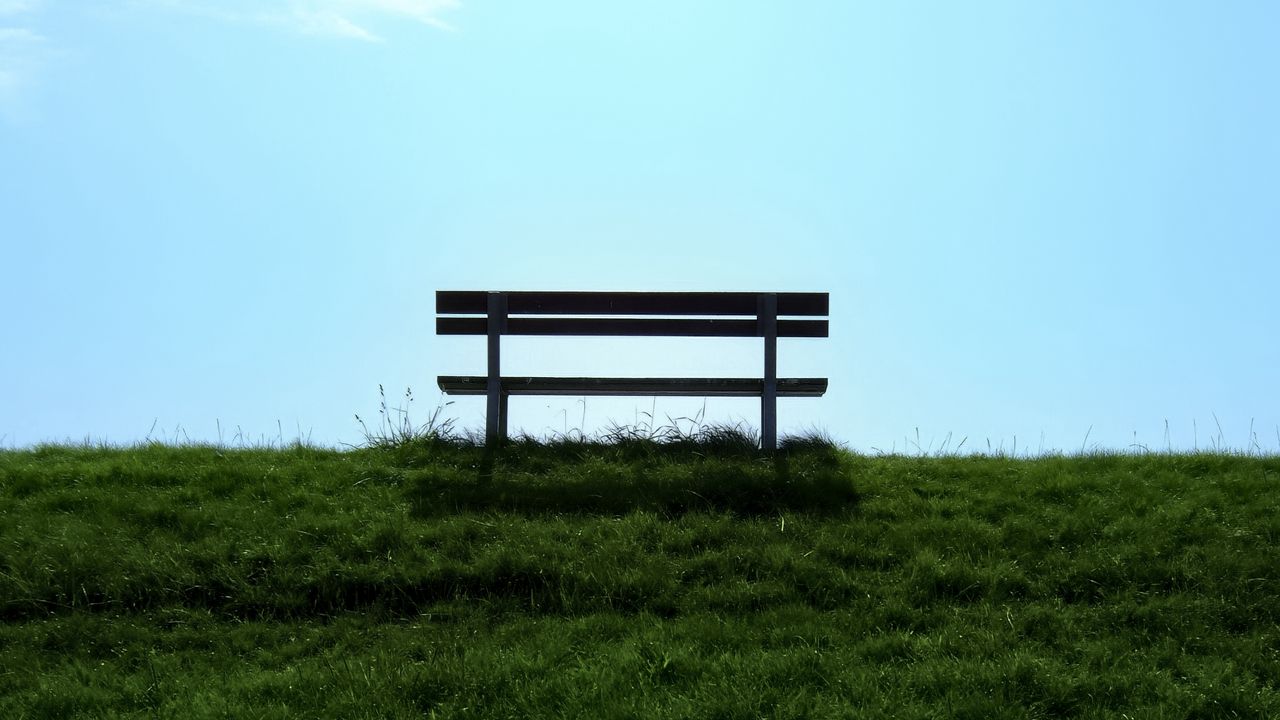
[[662, 314]]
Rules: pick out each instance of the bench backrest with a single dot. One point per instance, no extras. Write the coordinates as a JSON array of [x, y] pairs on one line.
[[676, 314]]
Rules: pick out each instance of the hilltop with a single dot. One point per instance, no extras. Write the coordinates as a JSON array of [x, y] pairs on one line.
[[635, 579]]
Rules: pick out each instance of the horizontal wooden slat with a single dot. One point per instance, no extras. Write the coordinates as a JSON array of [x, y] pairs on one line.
[[647, 387], [474, 302], [625, 327]]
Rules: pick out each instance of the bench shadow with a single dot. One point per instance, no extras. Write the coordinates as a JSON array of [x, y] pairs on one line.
[[584, 481]]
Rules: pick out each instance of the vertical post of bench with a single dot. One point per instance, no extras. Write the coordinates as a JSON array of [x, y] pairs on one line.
[[495, 417], [767, 321]]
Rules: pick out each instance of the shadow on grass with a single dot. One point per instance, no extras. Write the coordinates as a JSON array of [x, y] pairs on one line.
[[593, 478]]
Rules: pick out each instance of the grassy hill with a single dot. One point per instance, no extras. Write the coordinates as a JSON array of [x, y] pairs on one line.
[[635, 580]]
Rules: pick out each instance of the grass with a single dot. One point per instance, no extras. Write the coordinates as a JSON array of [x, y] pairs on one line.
[[693, 578]]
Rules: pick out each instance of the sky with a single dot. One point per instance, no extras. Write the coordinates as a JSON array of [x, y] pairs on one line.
[[1049, 226]]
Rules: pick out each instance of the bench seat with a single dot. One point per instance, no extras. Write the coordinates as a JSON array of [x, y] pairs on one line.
[[647, 387]]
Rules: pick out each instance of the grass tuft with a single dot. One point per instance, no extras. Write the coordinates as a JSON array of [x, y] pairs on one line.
[[396, 429]]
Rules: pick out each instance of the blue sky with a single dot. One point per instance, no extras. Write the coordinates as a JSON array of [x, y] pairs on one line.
[[1043, 220]]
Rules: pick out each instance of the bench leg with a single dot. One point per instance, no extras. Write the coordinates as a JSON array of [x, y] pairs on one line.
[[495, 415], [769, 420], [767, 312], [503, 402]]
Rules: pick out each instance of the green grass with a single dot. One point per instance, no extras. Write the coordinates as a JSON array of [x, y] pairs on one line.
[[635, 580]]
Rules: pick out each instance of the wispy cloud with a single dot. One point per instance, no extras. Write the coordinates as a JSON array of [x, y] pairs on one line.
[[13, 7], [351, 19], [25, 51], [326, 23], [22, 52]]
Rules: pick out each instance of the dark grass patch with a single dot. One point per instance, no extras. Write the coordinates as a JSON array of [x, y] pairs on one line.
[[614, 480]]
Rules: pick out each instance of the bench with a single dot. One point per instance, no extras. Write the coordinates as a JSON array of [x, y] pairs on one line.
[[632, 314]]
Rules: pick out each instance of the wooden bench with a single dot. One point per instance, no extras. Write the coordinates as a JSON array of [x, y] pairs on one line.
[[618, 314]]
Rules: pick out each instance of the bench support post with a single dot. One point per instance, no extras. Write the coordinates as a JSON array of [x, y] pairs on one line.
[[767, 317], [503, 402], [495, 417]]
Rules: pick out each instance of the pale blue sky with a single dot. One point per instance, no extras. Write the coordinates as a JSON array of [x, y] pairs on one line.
[[1034, 218]]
